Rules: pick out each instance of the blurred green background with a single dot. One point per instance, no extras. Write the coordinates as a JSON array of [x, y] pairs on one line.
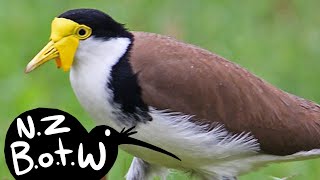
[[276, 39]]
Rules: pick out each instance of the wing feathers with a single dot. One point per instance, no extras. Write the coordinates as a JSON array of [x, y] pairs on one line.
[[187, 79]]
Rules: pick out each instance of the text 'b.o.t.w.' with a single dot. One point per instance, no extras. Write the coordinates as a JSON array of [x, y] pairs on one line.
[[52, 144]]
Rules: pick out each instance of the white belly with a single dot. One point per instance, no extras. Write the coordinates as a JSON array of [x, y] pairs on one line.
[[193, 145]]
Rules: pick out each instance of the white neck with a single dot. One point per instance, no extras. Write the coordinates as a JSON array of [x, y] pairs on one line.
[[91, 72], [94, 52]]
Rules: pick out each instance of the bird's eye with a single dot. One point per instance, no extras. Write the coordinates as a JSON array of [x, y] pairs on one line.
[[107, 132], [83, 32]]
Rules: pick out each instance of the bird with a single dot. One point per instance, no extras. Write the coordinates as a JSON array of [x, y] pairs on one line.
[[221, 120]]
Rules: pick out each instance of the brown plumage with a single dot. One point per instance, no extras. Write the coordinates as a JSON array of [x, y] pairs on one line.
[[193, 81]]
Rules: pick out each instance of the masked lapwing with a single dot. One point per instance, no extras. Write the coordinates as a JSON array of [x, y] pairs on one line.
[[218, 118]]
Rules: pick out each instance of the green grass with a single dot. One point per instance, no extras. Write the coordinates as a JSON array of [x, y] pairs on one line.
[[276, 39]]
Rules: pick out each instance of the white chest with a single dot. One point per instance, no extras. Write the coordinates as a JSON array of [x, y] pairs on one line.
[[91, 93], [90, 74]]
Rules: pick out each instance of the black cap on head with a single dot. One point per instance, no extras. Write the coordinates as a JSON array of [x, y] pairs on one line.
[[102, 25]]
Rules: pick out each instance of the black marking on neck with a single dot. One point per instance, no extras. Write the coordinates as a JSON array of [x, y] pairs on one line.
[[127, 92]]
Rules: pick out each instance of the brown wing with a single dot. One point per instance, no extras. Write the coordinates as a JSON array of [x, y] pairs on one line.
[[187, 79]]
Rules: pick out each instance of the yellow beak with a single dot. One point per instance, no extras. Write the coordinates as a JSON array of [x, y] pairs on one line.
[[62, 51], [47, 53]]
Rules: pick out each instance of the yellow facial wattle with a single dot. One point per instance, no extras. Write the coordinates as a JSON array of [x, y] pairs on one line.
[[64, 41]]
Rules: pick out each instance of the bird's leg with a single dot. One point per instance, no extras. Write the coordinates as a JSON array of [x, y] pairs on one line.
[[141, 170]]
